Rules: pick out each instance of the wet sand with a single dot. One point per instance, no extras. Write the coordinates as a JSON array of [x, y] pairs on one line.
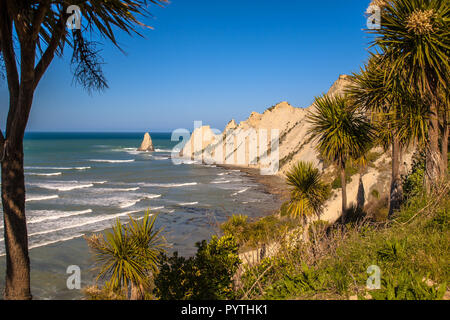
[[271, 184]]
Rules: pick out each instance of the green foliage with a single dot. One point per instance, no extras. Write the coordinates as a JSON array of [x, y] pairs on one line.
[[309, 193], [308, 280], [414, 37], [208, 275], [392, 251], [236, 225], [253, 234], [375, 193], [350, 170], [407, 286], [342, 133], [128, 254], [413, 182]]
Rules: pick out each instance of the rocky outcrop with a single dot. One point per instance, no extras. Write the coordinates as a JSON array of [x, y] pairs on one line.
[[147, 144]]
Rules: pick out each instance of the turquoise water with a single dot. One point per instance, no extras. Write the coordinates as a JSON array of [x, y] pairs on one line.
[[80, 183]]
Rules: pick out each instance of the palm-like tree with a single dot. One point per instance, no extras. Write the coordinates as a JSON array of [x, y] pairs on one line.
[[308, 193], [414, 38], [341, 132], [397, 113], [128, 255]]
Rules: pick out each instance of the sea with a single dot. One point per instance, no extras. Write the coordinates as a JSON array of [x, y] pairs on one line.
[[80, 183]]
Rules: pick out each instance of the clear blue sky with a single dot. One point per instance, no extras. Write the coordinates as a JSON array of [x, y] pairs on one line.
[[210, 61]]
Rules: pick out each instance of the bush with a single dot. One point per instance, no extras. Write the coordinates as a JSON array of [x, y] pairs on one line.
[[413, 182], [408, 286], [206, 276], [254, 234]]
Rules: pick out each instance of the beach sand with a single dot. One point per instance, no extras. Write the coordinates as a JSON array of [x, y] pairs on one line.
[[272, 184]]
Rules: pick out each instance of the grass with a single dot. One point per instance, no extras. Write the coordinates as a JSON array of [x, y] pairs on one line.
[[253, 234], [411, 251]]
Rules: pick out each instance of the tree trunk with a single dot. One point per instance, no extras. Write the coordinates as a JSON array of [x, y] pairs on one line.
[[361, 195], [17, 285], [137, 292], [344, 193], [433, 157], [396, 192], [444, 146]]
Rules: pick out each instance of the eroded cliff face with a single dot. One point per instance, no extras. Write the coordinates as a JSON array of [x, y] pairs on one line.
[[250, 142]]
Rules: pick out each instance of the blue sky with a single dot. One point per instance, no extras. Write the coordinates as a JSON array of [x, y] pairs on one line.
[[210, 61]]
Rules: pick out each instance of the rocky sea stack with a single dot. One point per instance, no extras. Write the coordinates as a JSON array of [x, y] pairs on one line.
[[147, 144]]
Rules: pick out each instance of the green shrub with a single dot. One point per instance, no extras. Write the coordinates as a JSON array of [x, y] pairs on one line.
[[413, 182], [254, 234], [407, 286], [207, 275], [392, 251], [375, 193], [308, 280]]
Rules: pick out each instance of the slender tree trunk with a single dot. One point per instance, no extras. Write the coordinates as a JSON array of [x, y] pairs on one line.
[[396, 191], [17, 284], [361, 196], [433, 157], [444, 146], [344, 193]]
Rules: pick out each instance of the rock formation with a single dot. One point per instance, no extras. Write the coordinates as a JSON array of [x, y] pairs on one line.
[[147, 144], [292, 129]]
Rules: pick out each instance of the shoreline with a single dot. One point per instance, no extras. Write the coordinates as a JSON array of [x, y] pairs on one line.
[[271, 184]]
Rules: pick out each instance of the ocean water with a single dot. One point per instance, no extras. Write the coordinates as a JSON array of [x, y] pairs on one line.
[[80, 183]]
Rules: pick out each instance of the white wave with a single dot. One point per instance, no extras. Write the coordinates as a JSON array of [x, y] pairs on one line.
[[223, 173], [153, 196], [58, 216], [99, 182], [122, 189], [186, 161], [102, 218], [39, 198], [42, 244], [58, 168], [131, 203], [188, 203], [220, 181], [170, 185], [240, 191], [160, 158], [157, 208], [166, 150], [43, 174], [62, 186], [111, 161]]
